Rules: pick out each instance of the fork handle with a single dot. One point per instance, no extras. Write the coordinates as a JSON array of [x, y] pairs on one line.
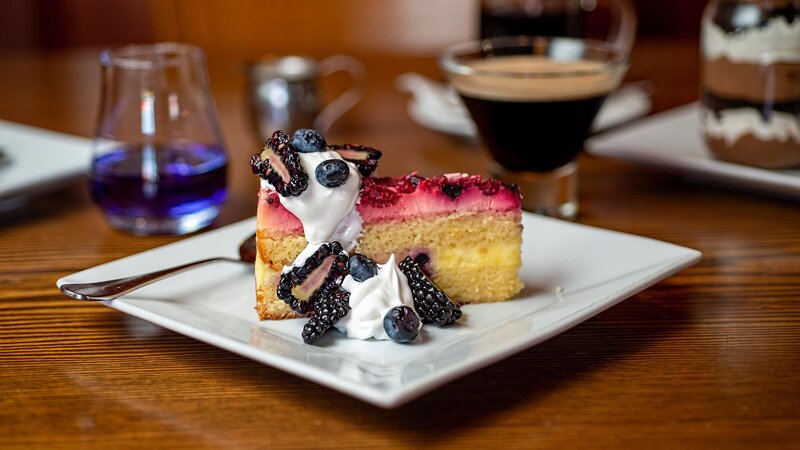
[[111, 289]]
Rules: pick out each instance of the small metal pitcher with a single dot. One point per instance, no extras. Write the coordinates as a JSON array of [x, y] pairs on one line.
[[284, 92]]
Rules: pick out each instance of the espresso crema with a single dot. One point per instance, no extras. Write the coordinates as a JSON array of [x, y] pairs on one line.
[[526, 78]]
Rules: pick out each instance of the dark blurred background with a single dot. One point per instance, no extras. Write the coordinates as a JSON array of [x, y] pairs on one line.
[[248, 28]]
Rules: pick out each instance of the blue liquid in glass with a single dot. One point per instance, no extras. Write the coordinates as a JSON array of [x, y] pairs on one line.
[[160, 182]]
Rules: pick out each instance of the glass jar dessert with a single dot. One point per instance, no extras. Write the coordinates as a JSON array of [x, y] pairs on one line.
[[751, 81]]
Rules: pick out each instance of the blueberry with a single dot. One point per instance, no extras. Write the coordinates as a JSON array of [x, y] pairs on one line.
[[362, 268], [305, 140], [401, 324], [332, 172], [422, 259], [451, 190]]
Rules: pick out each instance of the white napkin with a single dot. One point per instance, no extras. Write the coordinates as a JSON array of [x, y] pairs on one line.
[[437, 106]]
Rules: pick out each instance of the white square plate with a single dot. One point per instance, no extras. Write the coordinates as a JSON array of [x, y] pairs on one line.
[[38, 160], [571, 272], [672, 140]]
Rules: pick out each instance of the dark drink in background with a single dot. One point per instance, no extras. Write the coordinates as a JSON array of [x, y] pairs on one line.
[[163, 182], [532, 124], [532, 18], [559, 129], [533, 100]]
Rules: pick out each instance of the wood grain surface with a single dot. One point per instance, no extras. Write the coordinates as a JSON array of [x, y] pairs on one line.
[[705, 359]]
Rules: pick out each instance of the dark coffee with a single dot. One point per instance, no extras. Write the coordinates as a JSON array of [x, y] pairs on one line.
[[534, 112], [517, 22], [537, 136]]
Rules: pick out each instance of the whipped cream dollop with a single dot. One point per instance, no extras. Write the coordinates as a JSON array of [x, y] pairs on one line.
[[371, 299], [327, 214]]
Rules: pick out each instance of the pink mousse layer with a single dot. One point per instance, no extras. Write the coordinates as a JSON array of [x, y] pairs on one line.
[[408, 197]]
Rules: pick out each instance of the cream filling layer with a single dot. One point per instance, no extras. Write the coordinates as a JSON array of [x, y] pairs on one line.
[[732, 124], [777, 41]]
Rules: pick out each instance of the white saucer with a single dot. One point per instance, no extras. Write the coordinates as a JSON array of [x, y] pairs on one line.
[[671, 140]]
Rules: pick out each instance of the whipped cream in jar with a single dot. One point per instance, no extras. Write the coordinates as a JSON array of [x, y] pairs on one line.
[[751, 81]]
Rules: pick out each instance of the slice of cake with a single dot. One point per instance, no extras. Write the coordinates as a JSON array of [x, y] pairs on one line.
[[464, 231]]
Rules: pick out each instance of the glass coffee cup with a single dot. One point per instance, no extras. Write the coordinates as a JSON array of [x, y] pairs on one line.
[[533, 100]]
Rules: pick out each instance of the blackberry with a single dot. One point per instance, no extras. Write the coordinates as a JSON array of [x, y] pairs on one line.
[[433, 305], [313, 330], [255, 163], [305, 140], [323, 272], [365, 158], [327, 311], [401, 324], [332, 173], [362, 268], [422, 259], [280, 165]]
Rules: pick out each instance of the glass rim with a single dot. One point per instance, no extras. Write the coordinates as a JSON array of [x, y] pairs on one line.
[[151, 56], [292, 67], [449, 60]]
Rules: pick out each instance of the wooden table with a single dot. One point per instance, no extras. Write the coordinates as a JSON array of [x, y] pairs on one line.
[[708, 358]]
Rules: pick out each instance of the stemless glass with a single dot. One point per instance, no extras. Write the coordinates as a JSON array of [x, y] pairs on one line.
[[159, 162], [533, 100]]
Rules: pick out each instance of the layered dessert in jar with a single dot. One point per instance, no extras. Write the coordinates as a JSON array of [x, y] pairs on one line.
[[751, 82], [376, 257]]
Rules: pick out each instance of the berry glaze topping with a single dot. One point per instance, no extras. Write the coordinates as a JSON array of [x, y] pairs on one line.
[[390, 198]]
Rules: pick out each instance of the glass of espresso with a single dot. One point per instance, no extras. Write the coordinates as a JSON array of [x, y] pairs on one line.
[[159, 162], [533, 100]]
